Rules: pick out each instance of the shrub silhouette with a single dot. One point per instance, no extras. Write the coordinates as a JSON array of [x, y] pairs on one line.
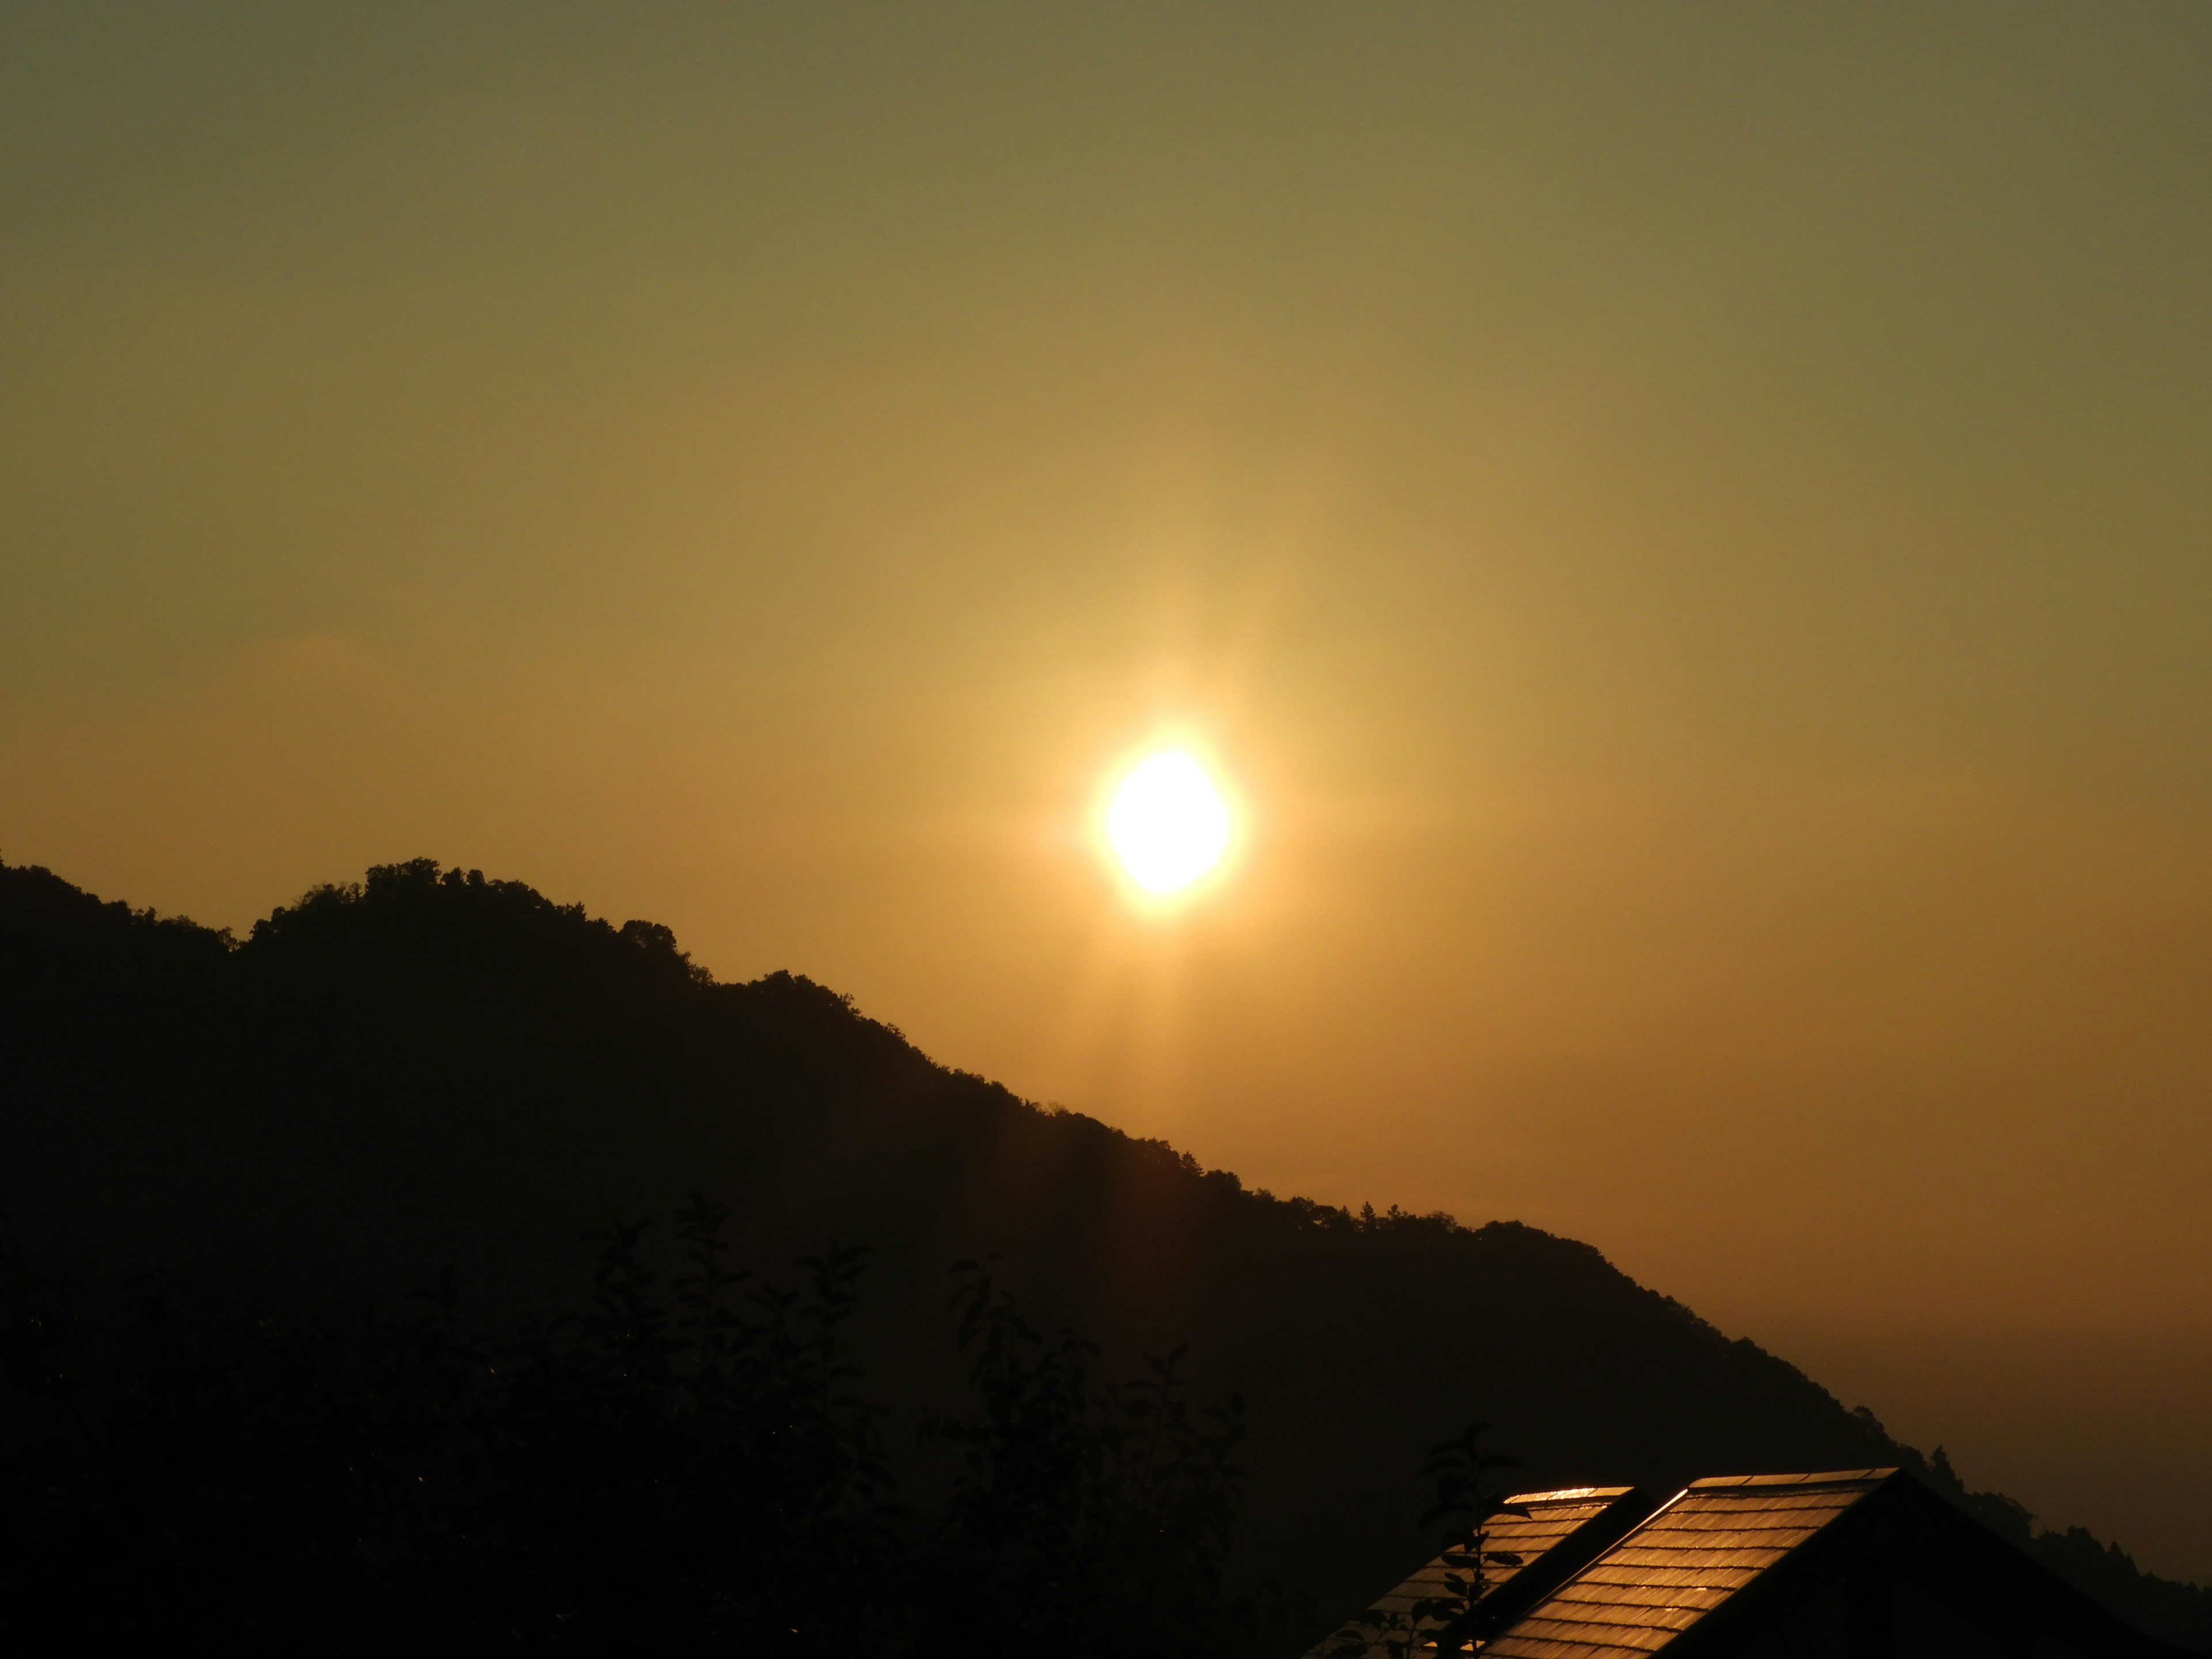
[[1451, 1621], [679, 1466], [1088, 1518]]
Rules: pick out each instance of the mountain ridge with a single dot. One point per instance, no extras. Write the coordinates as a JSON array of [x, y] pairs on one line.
[[430, 1067]]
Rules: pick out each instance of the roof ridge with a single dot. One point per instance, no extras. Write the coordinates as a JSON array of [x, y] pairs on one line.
[[1828, 1478]]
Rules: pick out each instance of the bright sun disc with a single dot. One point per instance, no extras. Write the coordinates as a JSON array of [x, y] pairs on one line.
[[1168, 824]]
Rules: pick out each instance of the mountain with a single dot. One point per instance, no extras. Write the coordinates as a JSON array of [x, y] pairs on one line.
[[430, 1068]]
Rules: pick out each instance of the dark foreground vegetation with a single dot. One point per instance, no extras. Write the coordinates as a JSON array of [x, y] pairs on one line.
[[681, 1468], [434, 1069]]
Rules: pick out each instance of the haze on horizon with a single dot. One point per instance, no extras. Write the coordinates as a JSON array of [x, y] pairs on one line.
[[1684, 531]]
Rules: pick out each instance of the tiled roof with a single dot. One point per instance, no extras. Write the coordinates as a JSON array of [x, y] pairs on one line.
[[1552, 1517], [1695, 1552]]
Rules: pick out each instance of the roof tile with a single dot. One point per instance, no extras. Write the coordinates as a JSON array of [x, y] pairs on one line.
[[1712, 1540]]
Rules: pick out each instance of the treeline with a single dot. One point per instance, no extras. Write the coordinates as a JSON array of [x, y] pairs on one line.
[[433, 1065], [689, 1462]]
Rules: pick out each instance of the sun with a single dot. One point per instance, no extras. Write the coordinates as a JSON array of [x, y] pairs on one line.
[[1167, 823]]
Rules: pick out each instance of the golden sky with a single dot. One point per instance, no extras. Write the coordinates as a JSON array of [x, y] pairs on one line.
[[1685, 531]]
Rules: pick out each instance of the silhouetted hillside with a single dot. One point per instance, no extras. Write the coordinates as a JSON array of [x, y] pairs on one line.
[[433, 1067]]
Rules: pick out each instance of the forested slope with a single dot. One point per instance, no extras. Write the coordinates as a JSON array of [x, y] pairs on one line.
[[431, 1068]]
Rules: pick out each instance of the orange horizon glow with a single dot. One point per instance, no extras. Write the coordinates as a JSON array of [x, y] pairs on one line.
[[1674, 537]]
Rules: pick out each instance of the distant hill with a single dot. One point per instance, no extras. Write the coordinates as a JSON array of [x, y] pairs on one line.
[[432, 1067]]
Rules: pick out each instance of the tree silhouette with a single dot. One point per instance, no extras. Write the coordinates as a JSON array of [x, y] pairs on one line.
[[430, 1066]]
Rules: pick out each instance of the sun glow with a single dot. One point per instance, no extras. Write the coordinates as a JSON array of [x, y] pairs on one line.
[[1168, 824]]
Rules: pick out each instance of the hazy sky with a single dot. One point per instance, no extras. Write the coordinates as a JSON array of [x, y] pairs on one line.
[[1686, 529]]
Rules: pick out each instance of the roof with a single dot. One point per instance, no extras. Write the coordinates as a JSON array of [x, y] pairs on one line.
[[1614, 1573], [1697, 1552], [1553, 1517]]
